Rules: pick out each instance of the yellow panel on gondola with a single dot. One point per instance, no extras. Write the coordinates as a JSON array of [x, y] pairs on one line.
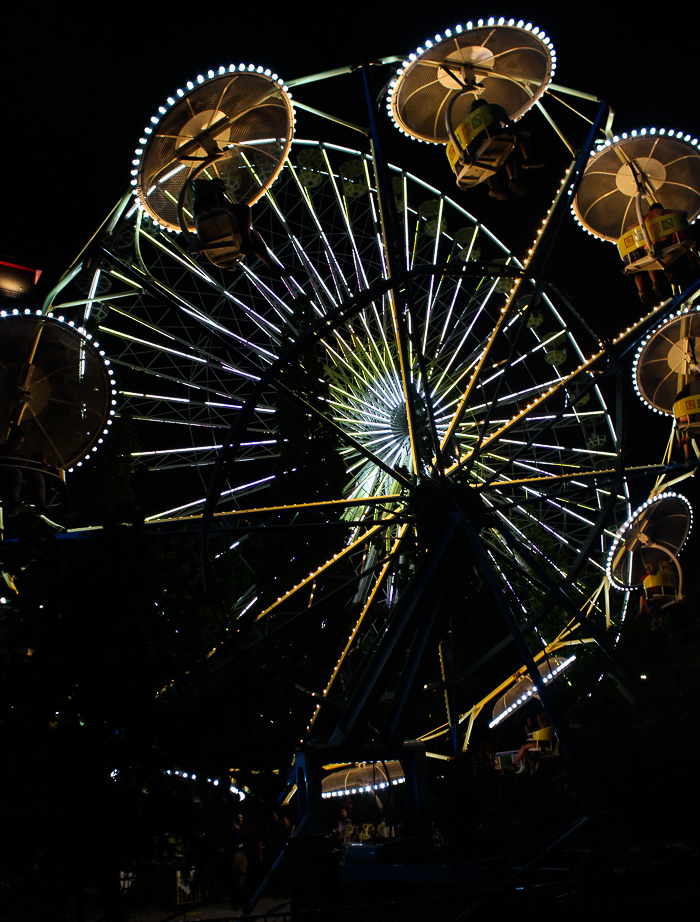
[[686, 412], [473, 125], [666, 580], [664, 228]]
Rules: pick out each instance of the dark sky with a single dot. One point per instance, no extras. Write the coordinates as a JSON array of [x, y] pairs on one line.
[[78, 90]]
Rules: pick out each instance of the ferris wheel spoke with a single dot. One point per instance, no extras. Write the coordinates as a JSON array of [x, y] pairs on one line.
[[282, 309], [531, 442], [200, 351], [498, 374], [572, 500], [199, 455], [389, 500], [221, 401], [421, 386], [453, 345], [463, 404], [309, 264], [181, 303], [168, 248], [528, 542], [542, 521], [225, 332], [174, 458], [354, 234], [158, 326], [550, 588], [433, 282], [348, 437], [197, 505], [493, 437], [196, 355], [521, 583], [175, 402], [342, 287], [278, 305]]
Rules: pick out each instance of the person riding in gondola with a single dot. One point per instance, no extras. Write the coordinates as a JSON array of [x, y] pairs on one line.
[[649, 252], [485, 144], [686, 410], [659, 589], [542, 737]]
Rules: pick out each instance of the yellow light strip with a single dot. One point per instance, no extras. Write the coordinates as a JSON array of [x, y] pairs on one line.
[[312, 576], [362, 500], [556, 387], [368, 604]]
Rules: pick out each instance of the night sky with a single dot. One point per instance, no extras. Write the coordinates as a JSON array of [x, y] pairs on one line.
[[79, 85], [78, 91]]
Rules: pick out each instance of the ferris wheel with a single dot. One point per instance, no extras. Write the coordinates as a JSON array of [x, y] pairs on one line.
[[470, 468]]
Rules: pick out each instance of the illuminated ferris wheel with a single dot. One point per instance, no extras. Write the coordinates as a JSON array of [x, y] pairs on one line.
[[468, 399]]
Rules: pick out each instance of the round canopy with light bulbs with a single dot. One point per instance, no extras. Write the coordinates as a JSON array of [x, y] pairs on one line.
[[523, 689], [365, 776], [653, 533], [508, 63], [55, 386], [664, 359], [666, 163], [235, 125]]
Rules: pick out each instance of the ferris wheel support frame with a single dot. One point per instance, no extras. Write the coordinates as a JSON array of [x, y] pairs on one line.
[[395, 281], [414, 623], [322, 327], [548, 699], [399, 289], [554, 218]]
